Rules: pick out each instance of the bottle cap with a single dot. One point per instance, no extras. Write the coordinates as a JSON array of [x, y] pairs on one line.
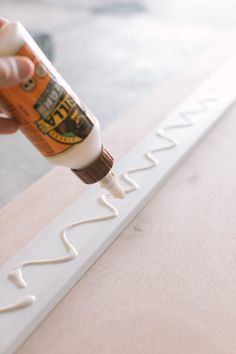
[[97, 170]]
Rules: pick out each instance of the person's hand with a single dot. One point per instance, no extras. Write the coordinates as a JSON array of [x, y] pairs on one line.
[[13, 70]]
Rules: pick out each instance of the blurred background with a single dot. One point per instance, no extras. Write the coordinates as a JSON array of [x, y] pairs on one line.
[[113, 53]]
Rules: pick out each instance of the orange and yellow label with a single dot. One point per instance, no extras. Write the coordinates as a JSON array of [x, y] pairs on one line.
[[50, 117]]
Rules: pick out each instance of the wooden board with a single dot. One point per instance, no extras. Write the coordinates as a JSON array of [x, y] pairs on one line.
[[120, 304]]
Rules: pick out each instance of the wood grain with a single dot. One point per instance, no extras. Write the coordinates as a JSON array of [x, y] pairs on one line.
[[167, 284]]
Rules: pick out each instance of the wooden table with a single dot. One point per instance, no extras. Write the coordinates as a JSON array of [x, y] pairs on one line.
[[167, 285]]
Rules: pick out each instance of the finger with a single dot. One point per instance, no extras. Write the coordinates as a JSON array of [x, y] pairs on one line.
[[14, 70], [2, 21], [8, 126]]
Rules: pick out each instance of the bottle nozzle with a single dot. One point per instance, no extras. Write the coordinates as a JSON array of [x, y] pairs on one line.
[[100, 171], [111, 184]]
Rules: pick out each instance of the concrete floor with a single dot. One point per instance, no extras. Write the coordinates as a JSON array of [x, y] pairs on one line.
[[113, 53]]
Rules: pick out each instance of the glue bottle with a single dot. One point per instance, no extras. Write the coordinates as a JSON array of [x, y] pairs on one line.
[[52, 117]]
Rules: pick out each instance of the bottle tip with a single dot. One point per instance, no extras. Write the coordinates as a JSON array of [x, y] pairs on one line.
[[117, 191], [111, 184]]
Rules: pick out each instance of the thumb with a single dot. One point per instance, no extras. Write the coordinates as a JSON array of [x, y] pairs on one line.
[[14, 70]]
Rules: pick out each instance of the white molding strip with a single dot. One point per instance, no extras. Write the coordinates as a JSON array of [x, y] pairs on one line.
[[32, 289]]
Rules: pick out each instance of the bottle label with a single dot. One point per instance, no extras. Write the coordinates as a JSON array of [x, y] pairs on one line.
[[48, 112]]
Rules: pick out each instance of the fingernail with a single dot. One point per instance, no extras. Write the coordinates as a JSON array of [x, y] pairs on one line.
[[24, 68]]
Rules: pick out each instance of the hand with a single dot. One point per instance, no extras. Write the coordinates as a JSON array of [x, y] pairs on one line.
[[13, 70]]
